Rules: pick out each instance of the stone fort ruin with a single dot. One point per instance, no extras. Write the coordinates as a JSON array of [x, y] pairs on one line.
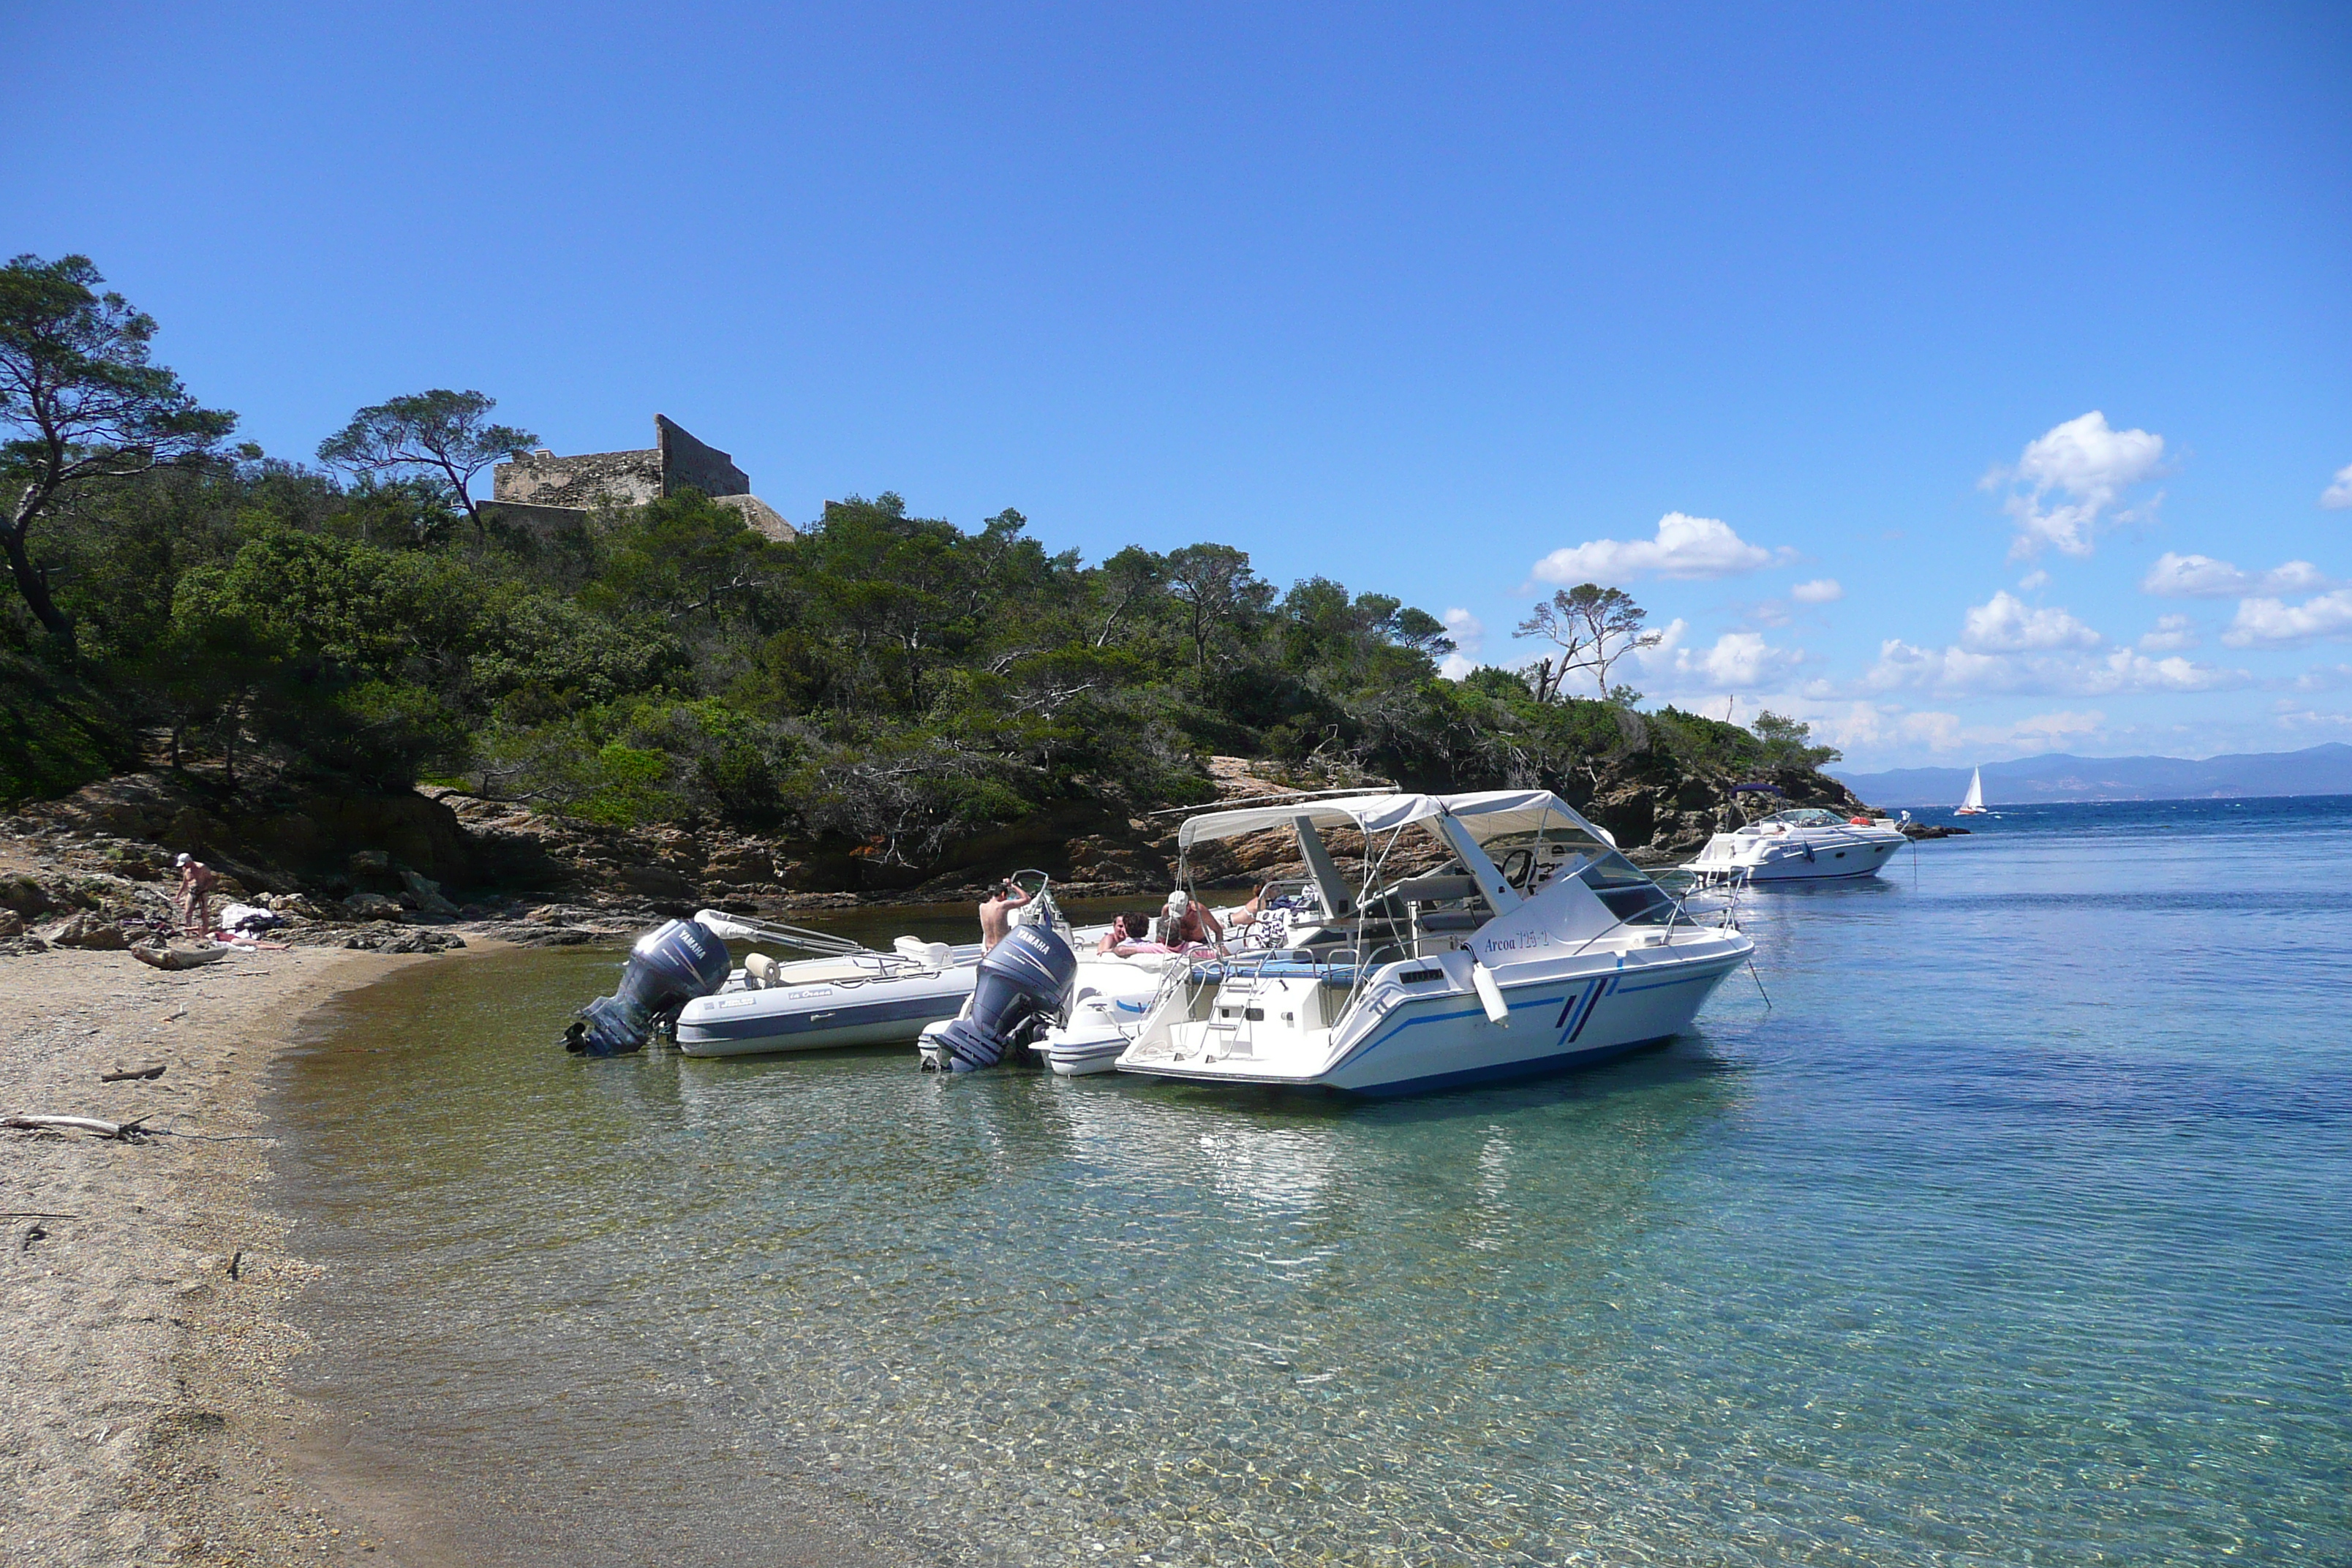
[[543, 491]]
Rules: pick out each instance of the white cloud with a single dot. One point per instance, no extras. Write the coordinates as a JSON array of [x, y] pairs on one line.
[[1686, 547], [2050, 727], [2176, 576], [1874, 726], [2308, 718], [1741, 663], [1739, 660], [2338, 495], [2007, 624], [2033, 580], [1469, 635], [1820, 591], [2273, 623], [2007, 645], [1881, 727], [2125, 670], [2324, 678], [2173, 633], [2088, 464]]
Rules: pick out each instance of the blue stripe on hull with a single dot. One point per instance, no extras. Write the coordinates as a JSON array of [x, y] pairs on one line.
[[1501, 1072]]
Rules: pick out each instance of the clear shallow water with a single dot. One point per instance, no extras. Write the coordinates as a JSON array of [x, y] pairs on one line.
[[2018, 1229]]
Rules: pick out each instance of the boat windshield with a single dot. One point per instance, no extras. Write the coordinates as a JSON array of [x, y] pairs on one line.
[[1530, 860], [1628, 892], [1807, 816]]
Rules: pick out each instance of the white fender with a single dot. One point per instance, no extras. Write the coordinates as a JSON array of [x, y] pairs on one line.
[[1490, 995]]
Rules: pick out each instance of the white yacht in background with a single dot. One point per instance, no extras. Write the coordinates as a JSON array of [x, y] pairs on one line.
[[1973, 805], [1533, 945], [1804, 844]]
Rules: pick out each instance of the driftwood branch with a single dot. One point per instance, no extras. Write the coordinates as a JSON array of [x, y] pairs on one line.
[[76, 1123]]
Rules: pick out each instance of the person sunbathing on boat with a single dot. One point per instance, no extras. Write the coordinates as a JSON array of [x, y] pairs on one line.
[[1130, 935], [1187, 923]]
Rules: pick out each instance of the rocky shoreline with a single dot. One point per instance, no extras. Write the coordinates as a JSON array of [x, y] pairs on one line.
[[418, 873]]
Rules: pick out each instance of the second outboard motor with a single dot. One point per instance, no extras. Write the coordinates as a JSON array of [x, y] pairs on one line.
[[1024, 985], [669, 966]]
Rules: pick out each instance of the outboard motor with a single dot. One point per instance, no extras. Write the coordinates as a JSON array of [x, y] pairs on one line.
[[1025, 985], [669, 966]]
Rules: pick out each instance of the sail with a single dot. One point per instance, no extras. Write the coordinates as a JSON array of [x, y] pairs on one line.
[[1976, 792]]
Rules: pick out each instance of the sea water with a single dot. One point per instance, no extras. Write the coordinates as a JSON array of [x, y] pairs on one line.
[[2003, 1216]]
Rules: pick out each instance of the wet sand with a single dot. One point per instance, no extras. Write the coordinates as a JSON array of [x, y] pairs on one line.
[[144, 1416]]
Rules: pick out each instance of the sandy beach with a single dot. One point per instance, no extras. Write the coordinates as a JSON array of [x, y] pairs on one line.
[[146, 1281], [144, 1278]]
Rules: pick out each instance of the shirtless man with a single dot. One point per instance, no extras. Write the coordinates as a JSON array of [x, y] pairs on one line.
[[1188, 922], [196, 880], [996, 913]]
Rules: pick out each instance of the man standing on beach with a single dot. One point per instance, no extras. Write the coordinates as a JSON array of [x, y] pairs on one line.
[[196, 880], [996, 913]]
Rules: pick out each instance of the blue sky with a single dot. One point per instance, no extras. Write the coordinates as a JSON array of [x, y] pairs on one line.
[[2022, 335]]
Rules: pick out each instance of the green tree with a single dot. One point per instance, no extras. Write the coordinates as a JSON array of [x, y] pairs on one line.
[[1218, 590], [1593, 628], [80, 404], [445, 435], [1787, 743], [1124, 584]]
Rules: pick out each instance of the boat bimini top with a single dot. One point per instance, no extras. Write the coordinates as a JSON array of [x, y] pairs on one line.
[[1526, 826]]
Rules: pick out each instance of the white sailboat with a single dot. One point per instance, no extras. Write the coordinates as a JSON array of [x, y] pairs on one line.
[[1974, 805]]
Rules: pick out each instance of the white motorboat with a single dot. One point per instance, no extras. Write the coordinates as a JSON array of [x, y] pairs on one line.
[[1534, 946], [1805, 844], [1972, 804]]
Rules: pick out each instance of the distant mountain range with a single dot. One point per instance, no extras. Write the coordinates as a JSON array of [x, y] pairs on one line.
[[2318, 770]]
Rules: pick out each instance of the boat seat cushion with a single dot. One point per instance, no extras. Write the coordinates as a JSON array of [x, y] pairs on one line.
[[1442, 889]]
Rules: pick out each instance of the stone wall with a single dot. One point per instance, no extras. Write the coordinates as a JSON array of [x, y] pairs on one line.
[[542, 479], [688, 463], [677, 461]]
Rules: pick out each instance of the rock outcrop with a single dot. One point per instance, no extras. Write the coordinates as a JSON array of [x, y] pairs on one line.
[[437, 854]]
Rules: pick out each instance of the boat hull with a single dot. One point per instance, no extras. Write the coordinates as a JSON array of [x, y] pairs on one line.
[[821, 1018], [1073, 1054], [1447, 1041]]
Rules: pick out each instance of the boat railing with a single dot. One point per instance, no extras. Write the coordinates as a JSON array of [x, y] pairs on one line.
[[743, 929]]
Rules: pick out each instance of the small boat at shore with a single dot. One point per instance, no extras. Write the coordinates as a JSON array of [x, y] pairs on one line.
[[680, 978], [856, 998]]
